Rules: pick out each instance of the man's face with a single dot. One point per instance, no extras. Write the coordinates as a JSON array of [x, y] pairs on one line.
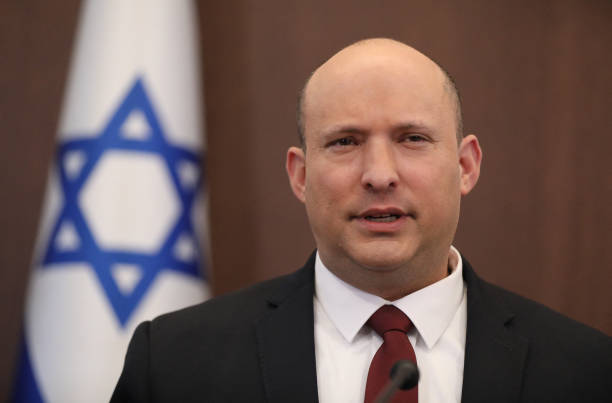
[[382, 178]]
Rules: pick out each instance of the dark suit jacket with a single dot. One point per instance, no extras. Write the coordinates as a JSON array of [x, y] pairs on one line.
[[257, 345]]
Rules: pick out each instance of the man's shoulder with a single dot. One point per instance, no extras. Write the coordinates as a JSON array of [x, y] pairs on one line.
[[236, 310], [557, 358], [538, 323], [531, 314]]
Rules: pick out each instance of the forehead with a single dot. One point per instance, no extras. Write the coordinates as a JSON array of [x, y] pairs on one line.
[[376, 82]]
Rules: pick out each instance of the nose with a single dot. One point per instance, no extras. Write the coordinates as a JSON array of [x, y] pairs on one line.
[[379, 167]]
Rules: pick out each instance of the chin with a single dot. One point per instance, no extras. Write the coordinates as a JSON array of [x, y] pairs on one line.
[[381, 258]]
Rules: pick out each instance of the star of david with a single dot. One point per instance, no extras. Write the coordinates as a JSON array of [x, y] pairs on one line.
[[72, 239]]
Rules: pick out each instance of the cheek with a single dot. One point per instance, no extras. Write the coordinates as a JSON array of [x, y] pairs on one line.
[[327, 186], [323, 205], [434, 185], [318, 200]]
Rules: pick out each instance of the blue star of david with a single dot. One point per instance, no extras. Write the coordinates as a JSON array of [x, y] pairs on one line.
[[86, 249]]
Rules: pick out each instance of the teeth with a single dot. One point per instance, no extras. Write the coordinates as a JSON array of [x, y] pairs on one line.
[[382, 218]]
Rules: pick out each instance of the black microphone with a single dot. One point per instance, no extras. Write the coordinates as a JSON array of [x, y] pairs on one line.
[[404, 375]]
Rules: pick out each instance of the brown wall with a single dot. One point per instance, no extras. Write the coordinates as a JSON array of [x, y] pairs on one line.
[[536, 84]]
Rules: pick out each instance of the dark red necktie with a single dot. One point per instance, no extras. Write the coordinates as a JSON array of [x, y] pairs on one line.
[[392, 325]]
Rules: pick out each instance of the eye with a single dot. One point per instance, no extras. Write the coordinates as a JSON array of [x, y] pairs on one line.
[[344, 141], [414, 138]]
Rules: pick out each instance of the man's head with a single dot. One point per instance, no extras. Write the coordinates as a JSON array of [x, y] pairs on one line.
[[449, 85], [381, 171]]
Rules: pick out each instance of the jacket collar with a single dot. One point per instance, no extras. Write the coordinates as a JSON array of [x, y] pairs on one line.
[[285, 338], [494, 355]]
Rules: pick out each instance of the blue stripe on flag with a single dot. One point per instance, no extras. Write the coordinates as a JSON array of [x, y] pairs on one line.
[[25, 389]]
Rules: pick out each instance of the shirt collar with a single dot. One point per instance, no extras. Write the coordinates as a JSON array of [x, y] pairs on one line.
[[430, 309]]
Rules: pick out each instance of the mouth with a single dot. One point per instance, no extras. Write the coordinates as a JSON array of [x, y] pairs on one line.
[[382, 215]]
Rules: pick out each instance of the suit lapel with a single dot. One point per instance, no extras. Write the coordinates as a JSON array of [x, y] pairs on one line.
[[285, 339], [494, 354]]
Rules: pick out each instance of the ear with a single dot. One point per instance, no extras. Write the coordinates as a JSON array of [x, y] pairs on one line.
[[470, 156], [296, 170]]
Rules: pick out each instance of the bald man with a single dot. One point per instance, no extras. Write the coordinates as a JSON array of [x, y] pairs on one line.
[[381, 170]]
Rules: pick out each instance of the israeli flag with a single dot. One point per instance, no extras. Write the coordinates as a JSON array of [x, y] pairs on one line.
[[124, 220]]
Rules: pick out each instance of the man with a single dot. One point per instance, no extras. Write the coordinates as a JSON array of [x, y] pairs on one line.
[[381, 170]]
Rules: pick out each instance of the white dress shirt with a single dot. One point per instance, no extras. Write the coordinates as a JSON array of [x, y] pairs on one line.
[[344, 347]]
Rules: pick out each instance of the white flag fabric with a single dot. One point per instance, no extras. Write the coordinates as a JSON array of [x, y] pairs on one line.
[[124, 215]]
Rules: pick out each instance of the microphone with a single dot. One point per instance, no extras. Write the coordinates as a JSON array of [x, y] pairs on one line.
[[404, 375]]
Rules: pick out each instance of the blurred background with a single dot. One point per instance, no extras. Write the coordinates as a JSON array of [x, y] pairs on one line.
[[536, 86]]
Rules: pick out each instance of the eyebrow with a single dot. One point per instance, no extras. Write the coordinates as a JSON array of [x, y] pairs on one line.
[[352, 129]]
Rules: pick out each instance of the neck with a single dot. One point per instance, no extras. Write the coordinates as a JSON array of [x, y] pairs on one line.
[[392, 283]]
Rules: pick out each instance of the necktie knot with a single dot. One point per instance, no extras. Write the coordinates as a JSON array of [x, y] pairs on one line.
[[387, 318]]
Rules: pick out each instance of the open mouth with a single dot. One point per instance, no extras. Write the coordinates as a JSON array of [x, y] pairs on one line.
[[388, 218], [382, 217]]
